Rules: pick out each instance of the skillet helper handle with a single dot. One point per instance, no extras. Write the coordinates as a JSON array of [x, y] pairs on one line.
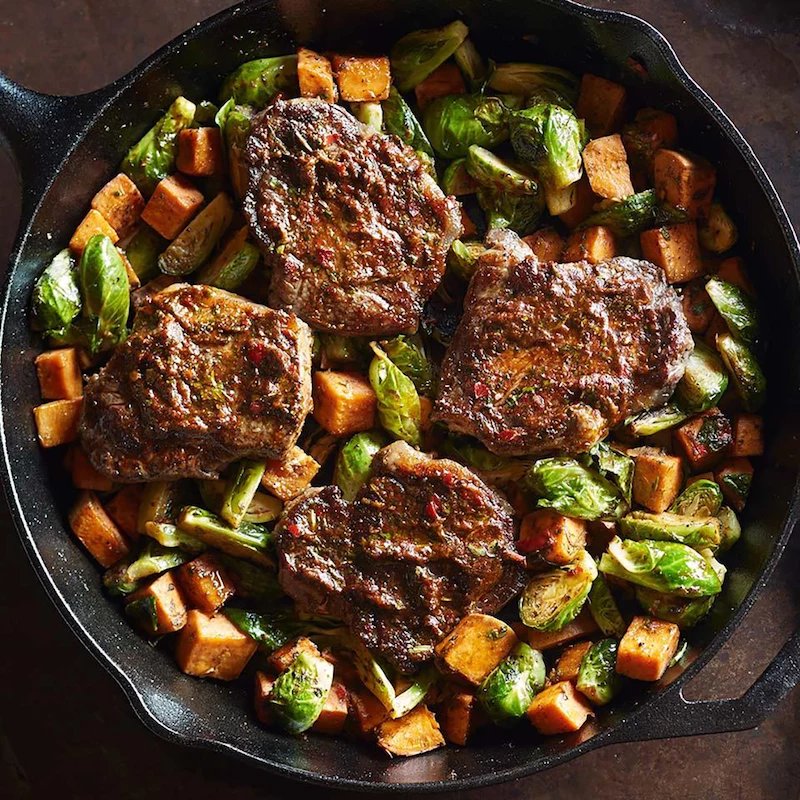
[[39, 130], [673, 715]]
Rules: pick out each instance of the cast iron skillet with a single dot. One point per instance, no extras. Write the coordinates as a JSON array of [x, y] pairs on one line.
[[67, 147]]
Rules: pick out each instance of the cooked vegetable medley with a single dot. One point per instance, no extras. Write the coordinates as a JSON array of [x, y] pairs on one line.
[[494, 511]]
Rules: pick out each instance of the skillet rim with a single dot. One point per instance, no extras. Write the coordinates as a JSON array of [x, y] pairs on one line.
[[613, 734]]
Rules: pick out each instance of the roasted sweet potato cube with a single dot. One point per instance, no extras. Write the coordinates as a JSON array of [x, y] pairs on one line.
[[593, 244], [57, 422], [263, 686], [458, 717], [748, 435], [170, 608], [205, 584], [601, 103], [697, 307], [96, 530], [315, 76], [569, 662], [674, 248], [685, 181], [123, 508], [366, 711], [551, 536], [200, 151], [475, 647], [120, 203], [212, 647], [657, 479], [92, 224], [547, 244], [606, 165], [599, 533], [661, 124], [59, 373], [651, 130], [583, 625], [172, 205], [333, 716], [583, 206], [286, 477], [559, 708], [734, 270], [344, 402], [705, 439], [282, 658], [734, 477], [85, 476], [416, 732], [444, 80], [362, 79], [647, 648]]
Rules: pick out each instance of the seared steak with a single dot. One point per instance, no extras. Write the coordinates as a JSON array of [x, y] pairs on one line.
[[205, 378], [551, 356], [355, 229], [424, 543]]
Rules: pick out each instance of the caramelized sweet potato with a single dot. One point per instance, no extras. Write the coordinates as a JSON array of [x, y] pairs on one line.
[[212, 647], [559, 708], [59, 373], [647, 648], [57, 421], [416, 732], [344, 402], [96, 530]]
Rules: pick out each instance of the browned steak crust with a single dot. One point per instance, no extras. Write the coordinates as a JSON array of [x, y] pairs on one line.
[[424, 543], [205, 378], [354, 228], [552, 356]]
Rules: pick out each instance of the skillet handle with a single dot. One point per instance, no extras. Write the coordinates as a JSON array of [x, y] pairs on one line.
[[673, 715], [39, 130]]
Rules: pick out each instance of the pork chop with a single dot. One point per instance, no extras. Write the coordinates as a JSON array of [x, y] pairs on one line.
[[424, 543], [354, 228], [205, 378], [552, 356]]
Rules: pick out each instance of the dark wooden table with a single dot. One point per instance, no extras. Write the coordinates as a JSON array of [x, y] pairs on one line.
[[66, 730]]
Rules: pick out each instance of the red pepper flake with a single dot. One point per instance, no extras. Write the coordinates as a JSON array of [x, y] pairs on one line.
[[293, 529], [256, 351], [432, 508], [480, 390], [532, 544], [448, 479], [256, 406], [508, 435], [326, 257]]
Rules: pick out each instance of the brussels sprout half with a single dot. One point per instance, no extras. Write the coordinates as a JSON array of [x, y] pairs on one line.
[[736, 307], [745, 372], [462, 258], [398, 402], [659, 419], [626, 217], [597, 677], [525, 79], [604, 609], [355, 460], [704, 380], [299, 692], [248, 541], [702, 498], [489, 170], [509, 689], [682, 611], [256, 83], [554, 598], [417, 54], [697, 532], [56, 297], [730, 529]]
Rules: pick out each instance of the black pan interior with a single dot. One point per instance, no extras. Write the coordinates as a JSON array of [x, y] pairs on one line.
[[550, 32]]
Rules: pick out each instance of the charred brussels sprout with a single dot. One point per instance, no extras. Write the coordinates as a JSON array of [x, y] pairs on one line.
[[704, 381], [407, 352], [248, 541], [612, 465], [730, 529], [660, 419], [234, 122], [169, 535], [457, 121], [683, 611], [597, 677], [299, 692], [518, 212], [666, 567], [527, 79], [717, 232], [412, 696], [627, 217], [233, 265], [339, 349], [152, 158], [400, 120], [398, 402], [255, 83], [418, 54], [509, 689], [270, 631], [56, 297], [489, 170], [105, 293], [549, 138], [702, 498], [493, 468], [252, 582], [143, 251], [574, 489], [355, 460], [554, 598], [195, 242], [736, 307], [697, 532], [745, 372], [153, 559], [456, 179], [240, 490], [471, 64], [604, 609], [462, 259]]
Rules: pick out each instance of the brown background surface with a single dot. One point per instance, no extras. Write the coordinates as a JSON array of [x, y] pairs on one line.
[[66, 729]]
